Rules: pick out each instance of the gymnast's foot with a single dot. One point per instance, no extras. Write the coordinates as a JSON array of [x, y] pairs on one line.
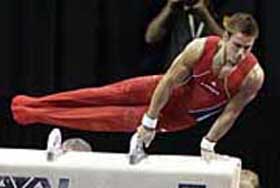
[[54, 144]]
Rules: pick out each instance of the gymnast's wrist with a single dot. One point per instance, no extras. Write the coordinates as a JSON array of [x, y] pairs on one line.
[[148, 122], [207, 145]]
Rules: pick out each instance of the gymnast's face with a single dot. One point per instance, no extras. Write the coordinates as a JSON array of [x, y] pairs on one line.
[[238, 46]]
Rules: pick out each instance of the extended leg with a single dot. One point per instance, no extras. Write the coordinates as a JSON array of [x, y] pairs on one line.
[[94, 109], [135, 91]]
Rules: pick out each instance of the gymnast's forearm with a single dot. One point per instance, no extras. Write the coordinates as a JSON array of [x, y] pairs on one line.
[[160, 97], [221, 126]]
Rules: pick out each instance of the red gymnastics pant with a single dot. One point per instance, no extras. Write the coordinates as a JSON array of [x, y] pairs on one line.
[[117, 107]]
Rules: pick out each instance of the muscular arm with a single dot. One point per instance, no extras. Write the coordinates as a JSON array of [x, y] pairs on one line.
[[180, 69], [158, 27], [208, 18], [247, 93]]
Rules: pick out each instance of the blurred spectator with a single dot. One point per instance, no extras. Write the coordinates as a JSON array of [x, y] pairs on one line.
[[76, 144]]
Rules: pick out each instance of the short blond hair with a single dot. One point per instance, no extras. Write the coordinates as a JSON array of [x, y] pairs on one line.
[[249, 179], [241, 22], [76, 144]]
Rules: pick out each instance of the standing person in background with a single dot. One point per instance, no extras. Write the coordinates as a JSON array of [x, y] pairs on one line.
[[177, 23]]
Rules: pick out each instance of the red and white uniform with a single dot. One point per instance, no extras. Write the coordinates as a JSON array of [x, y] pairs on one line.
[[119, 107]]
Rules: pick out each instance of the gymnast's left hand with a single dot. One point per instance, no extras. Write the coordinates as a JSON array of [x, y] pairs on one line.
[[207, 150]]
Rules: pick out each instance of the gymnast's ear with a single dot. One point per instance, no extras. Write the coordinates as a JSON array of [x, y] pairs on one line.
[[226, 36]]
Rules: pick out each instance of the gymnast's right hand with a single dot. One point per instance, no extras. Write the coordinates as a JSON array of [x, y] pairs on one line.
[[146, 131], [146, 135]]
